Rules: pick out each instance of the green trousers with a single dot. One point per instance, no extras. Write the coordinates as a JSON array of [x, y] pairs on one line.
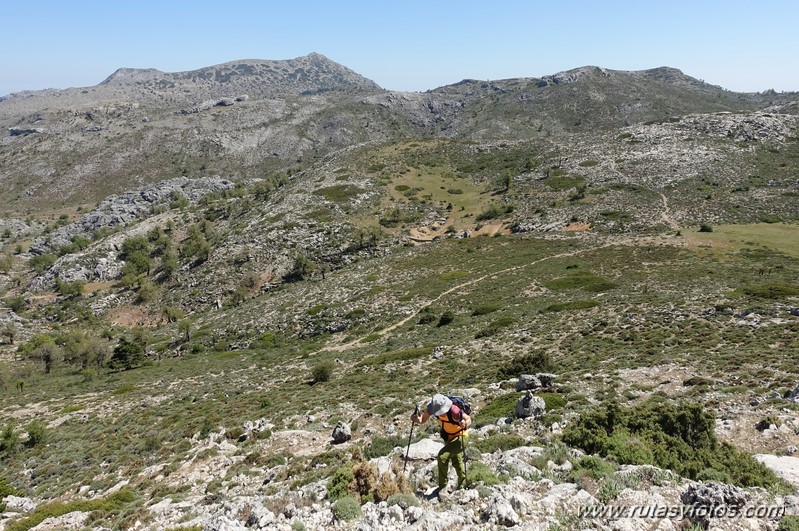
[[452, 451]]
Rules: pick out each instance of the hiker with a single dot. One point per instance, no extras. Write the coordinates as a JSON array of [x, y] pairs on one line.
[[453, 422]]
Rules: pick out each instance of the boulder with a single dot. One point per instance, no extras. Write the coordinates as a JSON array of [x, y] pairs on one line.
[[17, 504], [546, 378], [500, 511], [425, 449], [527, 381], [341, 433], [530, 406]]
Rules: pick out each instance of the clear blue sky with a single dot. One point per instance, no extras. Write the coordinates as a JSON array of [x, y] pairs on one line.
[[410, 45]]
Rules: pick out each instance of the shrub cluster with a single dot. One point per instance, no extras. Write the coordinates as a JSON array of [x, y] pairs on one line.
[[531, 363], [679, 437]]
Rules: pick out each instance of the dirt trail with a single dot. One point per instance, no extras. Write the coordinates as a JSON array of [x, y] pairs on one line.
[[459, 288], [664, 215]]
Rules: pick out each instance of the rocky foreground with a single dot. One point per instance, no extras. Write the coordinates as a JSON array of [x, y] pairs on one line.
[[511, 493]]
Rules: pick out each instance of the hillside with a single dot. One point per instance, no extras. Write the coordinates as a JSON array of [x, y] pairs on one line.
[[198, 287]]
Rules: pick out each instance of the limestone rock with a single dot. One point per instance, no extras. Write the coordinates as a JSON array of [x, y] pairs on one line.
[[714, 495], [501, 511], [530, 406], [424, 450], [18, 504], [341, 433], [526, 382], [785, 467]]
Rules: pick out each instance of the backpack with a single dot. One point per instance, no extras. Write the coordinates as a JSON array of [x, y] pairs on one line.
[[462, 405]]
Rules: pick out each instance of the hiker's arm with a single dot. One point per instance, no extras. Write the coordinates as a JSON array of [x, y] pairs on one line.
[[420, 419], [466, 420]]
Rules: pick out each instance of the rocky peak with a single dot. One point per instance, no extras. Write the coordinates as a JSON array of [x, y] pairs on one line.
[[127, 76]]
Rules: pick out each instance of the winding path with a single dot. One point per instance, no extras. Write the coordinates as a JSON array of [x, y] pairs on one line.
[[457, 289]]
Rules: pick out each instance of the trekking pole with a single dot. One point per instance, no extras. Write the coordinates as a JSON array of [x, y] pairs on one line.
[[408, 451], [463, 449]]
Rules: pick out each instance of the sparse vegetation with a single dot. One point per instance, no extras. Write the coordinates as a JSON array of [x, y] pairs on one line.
[[309, 293]]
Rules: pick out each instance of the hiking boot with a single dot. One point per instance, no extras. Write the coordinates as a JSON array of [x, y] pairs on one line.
[[443, 493]]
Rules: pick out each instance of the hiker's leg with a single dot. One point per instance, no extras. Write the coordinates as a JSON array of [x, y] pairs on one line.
[[457, 462], [443, 465]]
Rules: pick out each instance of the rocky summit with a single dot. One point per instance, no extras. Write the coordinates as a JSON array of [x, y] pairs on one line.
[[224, 292]]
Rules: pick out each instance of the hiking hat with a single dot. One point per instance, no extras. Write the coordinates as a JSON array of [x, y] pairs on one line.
[[439, 405]]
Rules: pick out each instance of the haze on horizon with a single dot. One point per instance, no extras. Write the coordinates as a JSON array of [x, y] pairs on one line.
[[417, 47]]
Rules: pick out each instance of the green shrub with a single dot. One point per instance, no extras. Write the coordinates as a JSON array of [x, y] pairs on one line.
[[501, 407], [338, 486], [772, 291], [478, 472], [592, 466], [127, 355], [6, 489], [112, 503], [41, 262], [789, 523], [446, 318], [404, 500], [37, 434], [608, 491], [16, 304], [532, 363], [346, 508], [553, 400], [9, 440], [486, 308], [502, 441], [676, 436], [494, 212], [381, 446], [322, 371], [339, 193], [704, 227]]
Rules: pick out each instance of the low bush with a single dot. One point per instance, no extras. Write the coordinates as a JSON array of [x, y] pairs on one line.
[[479, 473], [676, 436], [502, 441], [592, 466], [501, 407], [446, 318], [381, 446], [531, 363], [6, 489], [322, 371], [403, 500], [112, 503], [553, 400], [346, 508], [789, 523], [338, 486], [486, 308], [771, 291]]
